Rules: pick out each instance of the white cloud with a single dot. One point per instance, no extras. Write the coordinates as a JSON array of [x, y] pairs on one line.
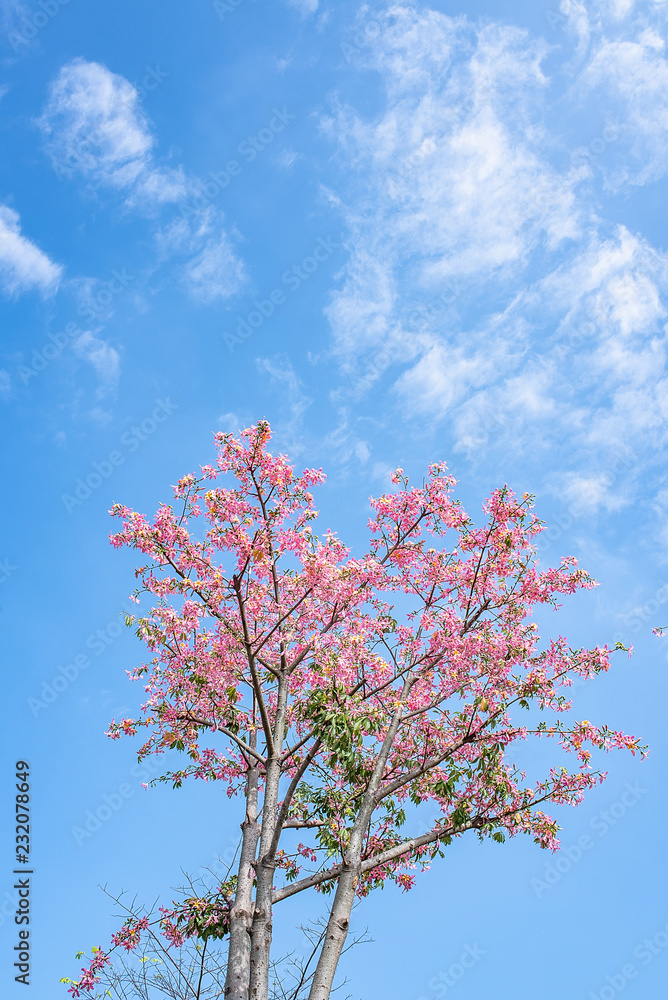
[[105, 360], [620, 64], [293, 400], [524, 325], [588, 493], [632, 77], [287, 158], [159, 186], [23, 265], [450, 180], [5, 384], [12, 14], [362, 452], [360, 313], [281, 371], [94, 125], [212, 270], [306, 7], [382, 473], [216, 272], [595, 14], [595, 328], [445, 375], [232, 423]]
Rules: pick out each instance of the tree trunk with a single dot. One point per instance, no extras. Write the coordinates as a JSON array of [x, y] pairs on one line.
[[339, 916], [261, 931], [241, 914], [337, 931], [262, 917]]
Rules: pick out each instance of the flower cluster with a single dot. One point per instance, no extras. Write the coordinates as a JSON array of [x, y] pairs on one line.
[[90, 976], [129, 935]]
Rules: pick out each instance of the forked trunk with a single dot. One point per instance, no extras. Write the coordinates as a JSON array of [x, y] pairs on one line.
[[261, 931], [262, 920], [339, 917]]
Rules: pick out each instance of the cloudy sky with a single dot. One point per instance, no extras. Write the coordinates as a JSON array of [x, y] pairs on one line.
[[400, 232]]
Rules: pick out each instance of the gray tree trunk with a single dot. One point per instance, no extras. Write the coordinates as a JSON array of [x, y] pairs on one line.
[[339, 917], [261, 931], [241, 914], [262, 918]]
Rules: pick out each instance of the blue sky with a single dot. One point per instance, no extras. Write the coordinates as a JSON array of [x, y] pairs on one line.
[[400, 232]]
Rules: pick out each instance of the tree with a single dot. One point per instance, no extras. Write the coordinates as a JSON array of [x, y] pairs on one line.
[[153, 963], [280, 669]]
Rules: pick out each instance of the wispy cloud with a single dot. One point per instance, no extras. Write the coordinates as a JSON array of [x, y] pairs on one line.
[[550, 335], [305, 7], [293, 401], [287, 158], [104, 359], [12, 14], [216, 272], [453, 180], [212, 269], [620, 63], [94, 125], [585, 354], [632, 77], [23, 266]]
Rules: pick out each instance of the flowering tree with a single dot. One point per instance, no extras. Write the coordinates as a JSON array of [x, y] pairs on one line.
[[280, 669], [149, 965]]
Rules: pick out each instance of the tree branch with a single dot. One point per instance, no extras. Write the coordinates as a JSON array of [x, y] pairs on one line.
[[223, 729], [251, 663]]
